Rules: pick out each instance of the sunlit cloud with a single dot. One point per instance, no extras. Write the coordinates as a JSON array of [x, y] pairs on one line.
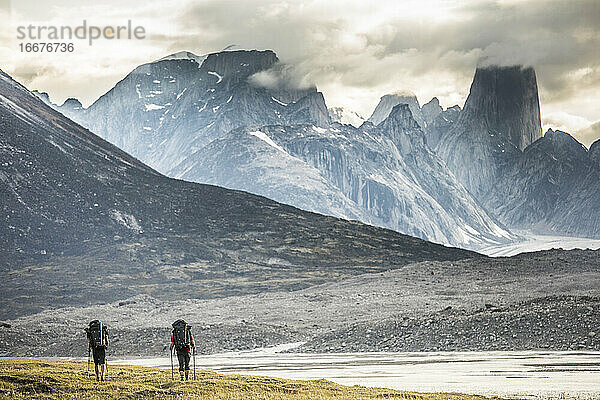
[[354, 51]]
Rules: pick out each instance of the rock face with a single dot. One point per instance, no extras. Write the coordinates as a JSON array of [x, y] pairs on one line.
[[383, 175], [549, 187], [554, 184], [431, 110], [491, 129], [538, 179], [595, 152], [505, 100], [99, 226], [500, 118], [203, 123], [440, 125], [389, 101]]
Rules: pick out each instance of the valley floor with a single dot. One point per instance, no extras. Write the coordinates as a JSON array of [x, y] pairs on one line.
[[546, 301]]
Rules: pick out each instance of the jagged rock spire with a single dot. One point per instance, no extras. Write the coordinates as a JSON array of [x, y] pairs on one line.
[[505, 100]]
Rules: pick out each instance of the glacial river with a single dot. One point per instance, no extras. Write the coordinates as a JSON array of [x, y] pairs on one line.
[[527, 374]]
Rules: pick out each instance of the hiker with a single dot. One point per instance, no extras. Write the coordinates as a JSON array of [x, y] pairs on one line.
[[97, 335], [183, 341]]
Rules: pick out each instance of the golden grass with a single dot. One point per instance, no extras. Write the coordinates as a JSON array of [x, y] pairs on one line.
[[34, 379]]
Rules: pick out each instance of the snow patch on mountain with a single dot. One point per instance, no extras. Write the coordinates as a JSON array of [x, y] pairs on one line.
[[279, 101], [219, 77], [150, 107], [263, 136], [345, 116]]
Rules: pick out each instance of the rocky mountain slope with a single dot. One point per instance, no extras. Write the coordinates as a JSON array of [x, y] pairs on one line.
[[201, 118], [548, 184], [85, 223], [440, 125], [595, 152], [558, 323], [431, 110], [544, 177], [383, 175]]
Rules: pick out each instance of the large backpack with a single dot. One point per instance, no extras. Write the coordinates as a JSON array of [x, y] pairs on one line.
[[181, 335], [96, 333]]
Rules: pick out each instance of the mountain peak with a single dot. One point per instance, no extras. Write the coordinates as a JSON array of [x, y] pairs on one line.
[[561, 145], [505, 100], [72, 104], [561, 138], [43, 96], [402, 94], [402, 114], [434, 102], [431, 110], [387, 103], [403, 129]]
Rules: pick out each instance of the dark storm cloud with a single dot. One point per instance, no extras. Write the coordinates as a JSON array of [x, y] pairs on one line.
[[559, 38]]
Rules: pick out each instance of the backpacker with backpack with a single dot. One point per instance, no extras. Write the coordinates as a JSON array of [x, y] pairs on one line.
[[97, 333], [181, 335]]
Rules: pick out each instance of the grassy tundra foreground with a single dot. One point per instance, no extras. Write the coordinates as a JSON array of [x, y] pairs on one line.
[[28, 379]]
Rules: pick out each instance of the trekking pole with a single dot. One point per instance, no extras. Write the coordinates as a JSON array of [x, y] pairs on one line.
[[194, 363], [172, 373], [88, 365], [106, 367]]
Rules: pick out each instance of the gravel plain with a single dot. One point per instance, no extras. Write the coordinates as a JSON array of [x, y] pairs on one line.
[[543, 300]]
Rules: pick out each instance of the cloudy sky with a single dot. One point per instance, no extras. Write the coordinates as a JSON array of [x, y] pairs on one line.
[[354, 51]]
